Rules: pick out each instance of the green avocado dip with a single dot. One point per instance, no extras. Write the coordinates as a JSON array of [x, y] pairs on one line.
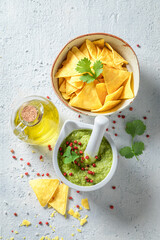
[[72, 163]]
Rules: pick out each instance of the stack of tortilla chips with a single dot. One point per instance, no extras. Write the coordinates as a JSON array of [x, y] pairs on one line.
[[113, 85], [49, 191]]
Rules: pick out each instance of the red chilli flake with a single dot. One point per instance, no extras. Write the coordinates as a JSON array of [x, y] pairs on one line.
[[116, 134], [75, 141], [147, 136], [82, 169], [12, 231], [67, 143], [114, 122], [81, 152], [70, 174], [77, 206], [107, 129], [28, 164], [61, 153], [79, 143], [43, 175], [41, 157], [26, 173], [113, 187], [65, 174], [94, 165], [131, 109], [78, 191], [15, 214], [60, 149], [87, 157], [119, 116], [47, 174], [145, 118], [91, 181], [96, 157], [38, 174], [48, 97], [21, 159], [12, 151], [123, 116], [40, 223], [14, 157], [113, 127], [111, 207], [79, 116], [47, 223], [70, 198], [138, 45]]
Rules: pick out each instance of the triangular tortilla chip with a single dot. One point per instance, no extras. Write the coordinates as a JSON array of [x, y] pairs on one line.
[[106, 57], [85, 203], [70, 88], [101, 91], [87, 98], [107, 106], [116, 57], [99, 43], [44, 189], [60, 81], [115, 96], [78, 53], [91, 49], [84, 50], [69, 68], [127, 92], [99, 51], [76, 82], [114, 78], [63, 86], [59, 199], [65, 96]]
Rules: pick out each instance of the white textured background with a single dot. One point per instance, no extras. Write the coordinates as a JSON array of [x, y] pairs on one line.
[[32, 33]]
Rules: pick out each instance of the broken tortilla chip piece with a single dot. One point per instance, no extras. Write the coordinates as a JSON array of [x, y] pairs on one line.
[[114, 78], [25, 223], [85, 203], [70, 88], [101, 91], [115, 95], [63, 86], [99, 43], [107, 106], [116, 57], [44, 189], [128, 92], [59, 199], [87, 99]]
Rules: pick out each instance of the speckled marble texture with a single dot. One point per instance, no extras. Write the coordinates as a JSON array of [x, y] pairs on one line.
[[32, 34]]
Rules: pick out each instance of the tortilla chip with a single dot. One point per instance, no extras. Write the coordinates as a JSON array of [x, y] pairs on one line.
[[63, 86], [114, 78], [106, 57], [70, 89], [85, 203], [84, 50], [65, 96], [87, 99], [60, 80], [76, 82], [99, 43], [44, 189], [107, 106], [78, 91], [91, 49], [78, 53], [115, 96], [69, 68], [99, 51], [59, 199], [25, 223], [127, 92], [101, 91], [116, 57]]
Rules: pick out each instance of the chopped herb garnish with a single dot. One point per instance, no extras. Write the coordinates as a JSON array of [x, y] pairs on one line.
[[69, 156]]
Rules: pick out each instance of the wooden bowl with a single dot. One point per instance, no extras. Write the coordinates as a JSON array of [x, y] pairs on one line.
[[123, 48]]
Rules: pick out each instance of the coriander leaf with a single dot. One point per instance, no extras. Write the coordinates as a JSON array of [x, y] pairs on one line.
[[98, 68], [69, 155], [135, 127], [87, 78], [83, 66], [126, 152], [138, 148]]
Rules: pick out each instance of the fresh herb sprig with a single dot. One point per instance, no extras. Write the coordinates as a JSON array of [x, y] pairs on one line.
[[134, 128], [69, 156], [84, 67]]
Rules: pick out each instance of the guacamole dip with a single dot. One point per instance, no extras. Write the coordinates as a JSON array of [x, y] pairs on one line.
[[73, 164]]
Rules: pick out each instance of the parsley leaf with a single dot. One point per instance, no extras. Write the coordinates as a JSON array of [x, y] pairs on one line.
[[126, 152], [69, 155], [84, 67], [98, 68], [134, 128], [138, 148]]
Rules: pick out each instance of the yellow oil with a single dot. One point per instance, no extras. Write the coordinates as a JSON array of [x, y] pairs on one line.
[[44, 130]]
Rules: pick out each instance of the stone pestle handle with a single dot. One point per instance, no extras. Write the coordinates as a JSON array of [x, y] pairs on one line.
[[99, 128]]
